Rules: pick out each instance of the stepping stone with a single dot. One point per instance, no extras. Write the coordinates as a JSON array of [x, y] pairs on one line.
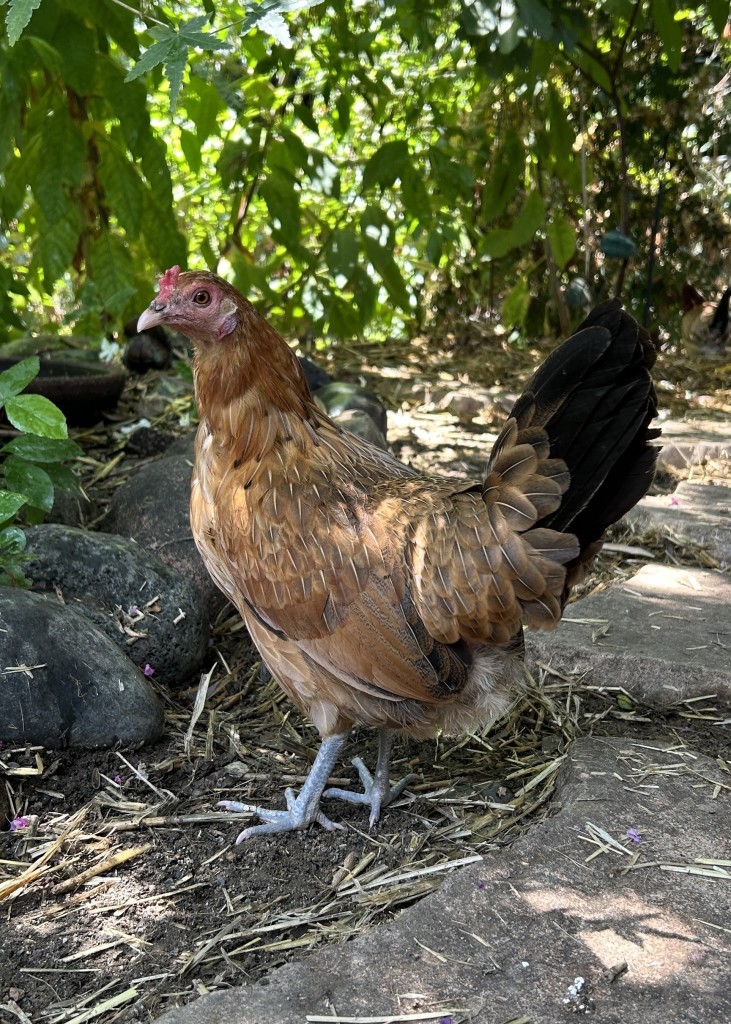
[[690, 442], [698, 512], [663, 636], [602, 909]]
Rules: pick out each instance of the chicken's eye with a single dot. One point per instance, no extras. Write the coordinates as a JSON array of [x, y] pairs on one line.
[[202, 297]]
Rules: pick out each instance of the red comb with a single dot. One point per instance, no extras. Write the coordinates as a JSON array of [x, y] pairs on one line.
[[168, 281]]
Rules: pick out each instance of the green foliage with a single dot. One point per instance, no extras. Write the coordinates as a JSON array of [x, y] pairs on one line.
[[31, 465], [348, 165]]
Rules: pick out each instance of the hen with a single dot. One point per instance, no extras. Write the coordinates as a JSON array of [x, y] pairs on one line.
[[374, 594], [706, 326]]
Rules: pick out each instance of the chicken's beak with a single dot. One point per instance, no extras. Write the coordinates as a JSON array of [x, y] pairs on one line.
[[152, 316]]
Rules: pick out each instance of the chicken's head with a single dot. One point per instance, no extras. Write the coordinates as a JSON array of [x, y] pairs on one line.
[[200, 305]]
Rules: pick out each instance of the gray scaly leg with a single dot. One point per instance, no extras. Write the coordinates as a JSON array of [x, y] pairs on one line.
[[377, 791], [303, 809]]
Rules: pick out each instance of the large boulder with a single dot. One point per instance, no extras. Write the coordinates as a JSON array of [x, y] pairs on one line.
[[64, 683], [153, 613], [152, 507]]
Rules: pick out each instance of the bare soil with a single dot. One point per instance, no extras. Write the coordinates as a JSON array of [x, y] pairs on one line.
[[125, 892]]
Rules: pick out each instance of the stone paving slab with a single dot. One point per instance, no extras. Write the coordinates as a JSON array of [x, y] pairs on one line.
[[663, 636], [700, 512], [691, 442], [506, 939]]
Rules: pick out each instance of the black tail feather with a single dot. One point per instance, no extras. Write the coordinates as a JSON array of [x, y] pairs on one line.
[[595, 399]]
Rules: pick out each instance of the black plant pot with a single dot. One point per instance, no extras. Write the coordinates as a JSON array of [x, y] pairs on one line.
[[82, 391]]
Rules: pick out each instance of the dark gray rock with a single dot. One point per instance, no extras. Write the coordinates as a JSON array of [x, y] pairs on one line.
[[64, 683], [340, 396], [103, 576], [362, 425], [152, 507]]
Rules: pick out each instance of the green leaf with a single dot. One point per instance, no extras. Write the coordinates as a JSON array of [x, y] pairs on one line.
[[110, 268], [154, 55], [377, 242], [123, 186], [191, 149], [34, 414], [536, 18], [283, 203], [16, 378], [19, 14], [29, 480], [342, 252], [515, 306], [56, 244], [719, 11], [454, 179], [64, 479], [78, 47], [507, 167], [499, 242], [10, 503], [562, 238], [669, 30], [43, 449], [174, 64], [190, 33], [387, 164], [203, 103]]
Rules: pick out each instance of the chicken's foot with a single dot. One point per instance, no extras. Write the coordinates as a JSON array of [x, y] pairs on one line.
[[377, 790], [303, 809]]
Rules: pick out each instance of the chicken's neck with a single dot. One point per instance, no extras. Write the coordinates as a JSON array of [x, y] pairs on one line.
[[252, 392]]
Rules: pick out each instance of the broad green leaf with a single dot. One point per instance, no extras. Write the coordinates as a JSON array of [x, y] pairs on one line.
[[128, 100], [57, 244], [719, 12], [563, 240], [275, 7], [191, 34], [277, 28], [19, 14], [34, 414], [506, 170], [499, 242], [12, 541], [515, 306], [154, 55], [387, 164], [377, 242], [536, 17], [16, 378], [453, 178], [78, 47], [29, 480], [123, 186], [110, 267], [174, 64], [414, 193], [203, 103], [10, 503], [283, 203], [669, 30], [365, 293], [191, 149], [342, 252], [43, 449], [64, 479]]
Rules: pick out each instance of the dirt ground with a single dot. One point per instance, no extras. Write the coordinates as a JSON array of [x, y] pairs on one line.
[[124, 892]]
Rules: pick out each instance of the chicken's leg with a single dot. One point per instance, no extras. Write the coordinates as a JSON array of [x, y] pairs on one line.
[[303, 809], [377, 790]]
